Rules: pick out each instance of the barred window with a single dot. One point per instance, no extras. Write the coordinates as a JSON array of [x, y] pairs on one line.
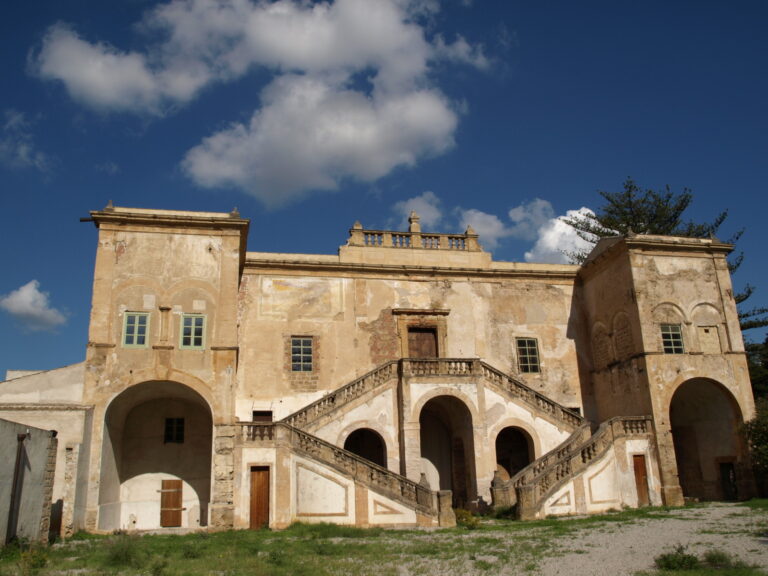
[[136, 330], [528, 355], [192, 331], [672, 339], [301, 354], [174, 431]]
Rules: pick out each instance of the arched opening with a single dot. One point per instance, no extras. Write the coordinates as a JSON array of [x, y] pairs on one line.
[[709, 451], [514, 451], [447, 448], [368, 444], [156, 459]]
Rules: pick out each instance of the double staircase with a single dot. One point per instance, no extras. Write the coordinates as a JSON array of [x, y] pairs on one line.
[[527, 490]]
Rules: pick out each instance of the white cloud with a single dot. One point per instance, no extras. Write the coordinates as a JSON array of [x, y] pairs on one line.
[[462, 51], [97, 75], [311, 134], [489, 227], [17, 145], [30, 306], [426, 205], [556, 237], [352, 96], [529, 217]]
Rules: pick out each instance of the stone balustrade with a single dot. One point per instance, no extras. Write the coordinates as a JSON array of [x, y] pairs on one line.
[[530, 487], [341, 396], [467, 242], [530, 396], [367, 473]]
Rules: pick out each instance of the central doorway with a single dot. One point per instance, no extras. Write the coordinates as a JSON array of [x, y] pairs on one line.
[[447, 448], [422, 342]]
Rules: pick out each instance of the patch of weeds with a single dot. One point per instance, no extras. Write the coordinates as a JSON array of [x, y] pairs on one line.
[[31, 559], [323, 530], [483, 565], [678, 559], [465, 519], [124, 550], [756, 504], [192, 550], [506, 513], [719, 559], [157, 566]]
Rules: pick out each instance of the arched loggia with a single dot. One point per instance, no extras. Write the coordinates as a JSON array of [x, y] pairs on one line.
[[156, 458], [709, 449]]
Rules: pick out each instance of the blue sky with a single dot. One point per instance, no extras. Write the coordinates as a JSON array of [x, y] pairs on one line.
[[310, 116]]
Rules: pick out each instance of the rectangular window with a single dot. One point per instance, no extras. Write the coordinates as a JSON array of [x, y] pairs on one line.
[[192, 331], [174, 431], [528, 355], [262, 416], [136, 330], [301, 354], [672, 338]]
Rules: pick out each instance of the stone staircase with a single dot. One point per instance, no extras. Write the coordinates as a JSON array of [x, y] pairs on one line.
[[530, 488], [408, 368], [414, 496]]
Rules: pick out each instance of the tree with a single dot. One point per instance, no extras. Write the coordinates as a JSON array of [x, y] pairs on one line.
[[757, 361], [756, 431], [637, 211]]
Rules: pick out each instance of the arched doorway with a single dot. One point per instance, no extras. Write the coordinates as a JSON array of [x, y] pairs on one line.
[[709, 451], [447, 448], [514, 451], [156, 459], [368, 444]]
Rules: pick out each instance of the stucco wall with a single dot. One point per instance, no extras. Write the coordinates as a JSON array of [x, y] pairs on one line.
[[28, 454]]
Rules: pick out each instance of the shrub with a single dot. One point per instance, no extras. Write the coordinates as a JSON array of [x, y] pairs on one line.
[[465, 519], [124, 550], [678, 559]]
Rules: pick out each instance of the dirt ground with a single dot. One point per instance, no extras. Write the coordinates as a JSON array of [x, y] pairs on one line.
[[624, 549]]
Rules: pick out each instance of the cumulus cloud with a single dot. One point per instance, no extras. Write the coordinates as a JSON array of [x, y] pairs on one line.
[[555, 238], [30, 306], [525, 221], [311, 134], [17, 144], [426, 205], [489, 227], [528, 218], [352, 95]]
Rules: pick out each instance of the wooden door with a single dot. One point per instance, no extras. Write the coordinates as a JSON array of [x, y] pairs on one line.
[[170, 503], [422, 342], [259, 497], [641, 480]]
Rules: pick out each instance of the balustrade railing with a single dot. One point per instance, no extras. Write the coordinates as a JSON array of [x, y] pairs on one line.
[[530, 487], [343, 395], [530, 396], [372, 475], [388, 239]]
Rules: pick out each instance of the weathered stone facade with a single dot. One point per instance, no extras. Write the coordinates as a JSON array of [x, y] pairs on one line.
[[410, 372]]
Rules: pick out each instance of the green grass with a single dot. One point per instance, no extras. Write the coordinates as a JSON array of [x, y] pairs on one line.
[[326, 549]]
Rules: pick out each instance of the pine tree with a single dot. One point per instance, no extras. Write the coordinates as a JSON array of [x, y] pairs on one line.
[[637, 211]]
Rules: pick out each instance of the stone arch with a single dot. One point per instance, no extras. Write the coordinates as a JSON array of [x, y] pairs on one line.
[[155, 431], [447, 447], [526, 427], [514, 448], [710, 452], [368, 444], [444, 391], [389, 442]]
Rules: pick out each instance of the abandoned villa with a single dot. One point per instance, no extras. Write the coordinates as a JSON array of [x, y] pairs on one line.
[[386, 385]]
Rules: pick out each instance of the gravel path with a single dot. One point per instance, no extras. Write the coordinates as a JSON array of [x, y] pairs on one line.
[[624, 549]]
